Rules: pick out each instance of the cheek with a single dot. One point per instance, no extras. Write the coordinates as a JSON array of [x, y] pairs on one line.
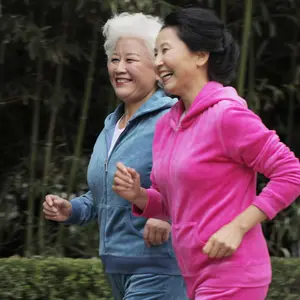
[[141, 74], [110, 70]]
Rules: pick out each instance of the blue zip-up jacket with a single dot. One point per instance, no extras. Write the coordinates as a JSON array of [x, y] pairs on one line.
[[122, 247]]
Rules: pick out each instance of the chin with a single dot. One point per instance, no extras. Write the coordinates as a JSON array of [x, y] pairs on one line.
[[169, 90], [121, 95]]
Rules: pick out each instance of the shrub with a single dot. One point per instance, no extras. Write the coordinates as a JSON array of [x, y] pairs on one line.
[[53, 279], [84, 279]]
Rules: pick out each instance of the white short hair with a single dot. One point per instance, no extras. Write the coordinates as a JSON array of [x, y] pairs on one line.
[[136, 25]]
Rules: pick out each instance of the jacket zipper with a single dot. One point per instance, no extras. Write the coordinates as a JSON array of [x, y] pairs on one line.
[[116, 144], [176, 134]]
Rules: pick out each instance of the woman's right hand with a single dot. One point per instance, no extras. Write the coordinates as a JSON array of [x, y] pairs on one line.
[[56, 208], [127, 183]]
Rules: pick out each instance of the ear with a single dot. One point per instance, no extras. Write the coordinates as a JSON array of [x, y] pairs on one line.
[[202, 58]]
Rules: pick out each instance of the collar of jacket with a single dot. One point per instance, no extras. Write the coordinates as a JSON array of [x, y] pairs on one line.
[[158, 101]]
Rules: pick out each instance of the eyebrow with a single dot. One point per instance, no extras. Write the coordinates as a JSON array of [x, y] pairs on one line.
[[131, 53], [165, 44]]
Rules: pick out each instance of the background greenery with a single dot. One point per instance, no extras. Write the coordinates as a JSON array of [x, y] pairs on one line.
[[55, 94], [83, 279]]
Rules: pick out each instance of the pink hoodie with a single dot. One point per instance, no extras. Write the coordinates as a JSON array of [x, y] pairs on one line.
[[204, 175]]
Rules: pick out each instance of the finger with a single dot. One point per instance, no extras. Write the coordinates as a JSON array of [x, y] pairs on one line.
[[49, 199], [146, 236], [229, 252], [222, 251], [158, 237], [124, 177], [165, 236], [122, 168], [208, 247], [49, 215], [118, 189], [52, 218], [215, 249], [49, 212], [120, 182], [134, 174], [151, 235], [49, 208]]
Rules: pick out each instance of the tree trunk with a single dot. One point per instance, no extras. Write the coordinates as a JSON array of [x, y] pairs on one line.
[[244, 51], [82, 125]]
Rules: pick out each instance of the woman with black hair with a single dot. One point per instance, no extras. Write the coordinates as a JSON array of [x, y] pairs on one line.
[[207, 152]]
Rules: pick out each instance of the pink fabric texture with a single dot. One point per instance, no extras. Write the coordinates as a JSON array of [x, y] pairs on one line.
[[204, 175], [258, 293]]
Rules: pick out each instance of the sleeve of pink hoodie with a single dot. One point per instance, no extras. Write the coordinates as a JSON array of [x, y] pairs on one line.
[[156, 206], [247, 140]]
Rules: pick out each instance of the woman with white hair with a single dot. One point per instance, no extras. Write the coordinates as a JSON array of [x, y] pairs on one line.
[[136, 252]]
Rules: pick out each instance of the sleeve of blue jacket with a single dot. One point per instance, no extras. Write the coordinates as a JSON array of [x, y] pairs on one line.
[[83, 210]]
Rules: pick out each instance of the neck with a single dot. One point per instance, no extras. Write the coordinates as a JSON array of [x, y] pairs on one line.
[[131, 108], [191, 91]]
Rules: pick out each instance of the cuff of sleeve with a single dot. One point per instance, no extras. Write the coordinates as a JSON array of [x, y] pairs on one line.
[[150, 210], [268, 206], [74, 218]]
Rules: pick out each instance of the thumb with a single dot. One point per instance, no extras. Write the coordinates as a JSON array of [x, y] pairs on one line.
[[59, 202], [50, 199]]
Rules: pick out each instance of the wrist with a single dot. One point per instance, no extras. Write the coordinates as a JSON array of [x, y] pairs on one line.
[[242, 226], [141, 199], [69, 207]]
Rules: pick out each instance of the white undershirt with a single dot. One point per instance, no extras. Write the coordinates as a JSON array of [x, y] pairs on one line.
[[116, 135]]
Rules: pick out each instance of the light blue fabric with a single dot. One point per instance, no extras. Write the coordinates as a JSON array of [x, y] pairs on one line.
[[147, 287], [122, 248]]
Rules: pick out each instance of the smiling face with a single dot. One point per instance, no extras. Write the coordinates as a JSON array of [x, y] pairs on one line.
[[177, 66], [131, 70]]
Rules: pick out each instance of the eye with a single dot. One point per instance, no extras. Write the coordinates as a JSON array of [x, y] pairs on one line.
[[130, 60], [164, 50], [114, 60]]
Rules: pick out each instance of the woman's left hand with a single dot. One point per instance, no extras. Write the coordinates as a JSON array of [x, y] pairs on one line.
[[156, 232], [224, 242]]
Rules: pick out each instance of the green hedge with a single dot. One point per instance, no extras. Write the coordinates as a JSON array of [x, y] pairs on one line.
[[52, 279], [83, 279]]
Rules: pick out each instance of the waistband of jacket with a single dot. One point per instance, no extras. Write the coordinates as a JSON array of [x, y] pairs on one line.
[[140, 265]]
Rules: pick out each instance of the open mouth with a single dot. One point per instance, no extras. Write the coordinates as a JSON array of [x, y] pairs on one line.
[[122, 80], [166, 76]]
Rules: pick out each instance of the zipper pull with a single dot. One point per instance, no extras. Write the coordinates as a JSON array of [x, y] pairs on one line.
[[105, 165]]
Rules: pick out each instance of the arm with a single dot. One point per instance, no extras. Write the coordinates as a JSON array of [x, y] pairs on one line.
[[147, 203], [247, 141], [83, 210], [154, 206]]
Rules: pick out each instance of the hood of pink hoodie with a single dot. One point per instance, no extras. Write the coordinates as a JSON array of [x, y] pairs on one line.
[[212, 93]]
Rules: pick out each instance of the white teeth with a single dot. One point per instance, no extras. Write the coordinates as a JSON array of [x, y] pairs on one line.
[[164, 75], [122, 80]]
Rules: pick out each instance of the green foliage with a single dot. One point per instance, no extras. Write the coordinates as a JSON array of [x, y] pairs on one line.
[[286, 279], [53, 279], [83, 279]]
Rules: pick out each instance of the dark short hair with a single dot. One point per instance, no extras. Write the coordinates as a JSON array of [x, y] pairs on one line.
[[201, 30]]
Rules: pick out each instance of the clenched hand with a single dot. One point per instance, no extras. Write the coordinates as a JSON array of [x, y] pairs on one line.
[[56, 208], [156, 232]]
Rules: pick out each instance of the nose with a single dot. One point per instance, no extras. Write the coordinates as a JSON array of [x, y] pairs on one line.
[[158, 61], [121, 68]]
